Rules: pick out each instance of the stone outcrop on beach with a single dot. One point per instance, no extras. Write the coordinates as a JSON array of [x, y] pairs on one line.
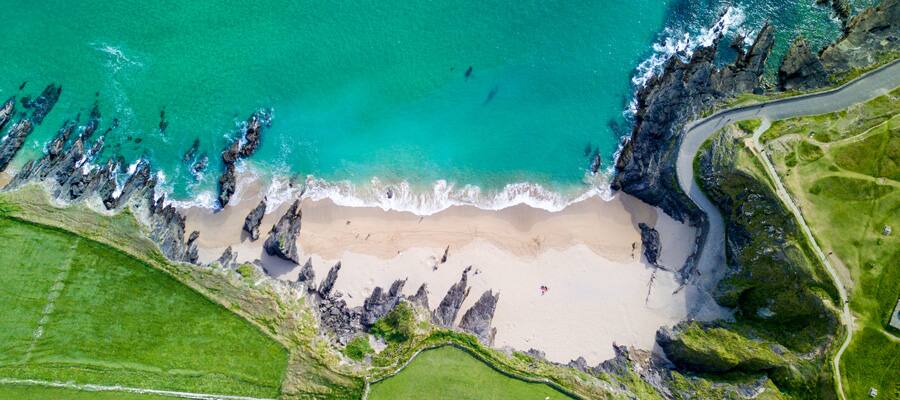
[[379, 303], [801, 69], [870, 36], [240, 148], [445, 314], [646, 166], [421, 297], [228, 259], [477, 320], [650, 243], [251, 223], [307, 276], [282, 240], [328, 284], [14, 141]]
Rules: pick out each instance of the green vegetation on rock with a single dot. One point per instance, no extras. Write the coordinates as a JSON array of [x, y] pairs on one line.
[[848, 196], [397, 326], [358, 348], [450, 373]]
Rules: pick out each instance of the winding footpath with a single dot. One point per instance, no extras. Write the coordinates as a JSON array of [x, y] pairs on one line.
[[712, 256]]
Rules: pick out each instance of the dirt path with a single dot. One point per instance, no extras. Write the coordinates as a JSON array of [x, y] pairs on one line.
[[712, 256]]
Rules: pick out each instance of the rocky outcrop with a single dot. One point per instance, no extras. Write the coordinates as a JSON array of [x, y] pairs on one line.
[[282, 240], [14, 141], [650, 243], [328, 284], [242, 147], [307, 276], [251, 223], [228, 259], [421, 297], [800, 69], [646, 166], [379, 303], [191, 253], [6, 111], [42, 104], [445, 314], [477, 320], [868, 37]]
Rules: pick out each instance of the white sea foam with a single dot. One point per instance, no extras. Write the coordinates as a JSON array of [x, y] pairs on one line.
[[683, 44]]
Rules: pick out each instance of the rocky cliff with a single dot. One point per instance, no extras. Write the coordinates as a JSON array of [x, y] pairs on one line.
[[869, 37], [646, 165]]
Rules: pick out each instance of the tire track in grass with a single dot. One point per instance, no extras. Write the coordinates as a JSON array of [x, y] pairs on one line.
[[55, 291]]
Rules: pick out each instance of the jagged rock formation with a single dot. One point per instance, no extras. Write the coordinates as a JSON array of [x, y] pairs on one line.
[[445, 314], [869, 36], [650, 243], [646, 166], [477, 320], [328, 284], [421, 297], [241, 147], [282, 240], [800, 69], [307, 276], [14, 141], [251, 223], [228, 259], [43, 103], [379, 303], [6, 111]]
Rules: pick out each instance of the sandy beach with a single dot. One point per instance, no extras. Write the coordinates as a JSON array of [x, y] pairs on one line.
[[589, 256]]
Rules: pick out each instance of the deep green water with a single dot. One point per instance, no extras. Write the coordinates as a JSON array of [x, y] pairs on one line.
[[363, 89]]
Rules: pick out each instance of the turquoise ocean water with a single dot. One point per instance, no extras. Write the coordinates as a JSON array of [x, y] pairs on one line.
[[371, 89]]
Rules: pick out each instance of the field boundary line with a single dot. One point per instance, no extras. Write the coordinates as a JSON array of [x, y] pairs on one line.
[[59, 283], [104, 388]]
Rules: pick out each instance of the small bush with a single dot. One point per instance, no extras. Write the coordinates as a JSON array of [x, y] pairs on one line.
[[358, 348], [245, 270], [397, 326]]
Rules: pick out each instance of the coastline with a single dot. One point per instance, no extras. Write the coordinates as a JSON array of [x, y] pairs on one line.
[[582, 253]]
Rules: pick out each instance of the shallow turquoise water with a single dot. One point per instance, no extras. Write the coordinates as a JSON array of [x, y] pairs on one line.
[[362, 89]]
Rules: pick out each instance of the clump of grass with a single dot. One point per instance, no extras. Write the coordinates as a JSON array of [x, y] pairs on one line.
[[358, 348], [397, 326], [246, 271], [749, 125]]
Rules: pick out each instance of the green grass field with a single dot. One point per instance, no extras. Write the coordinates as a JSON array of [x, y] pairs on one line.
[[76, 310], [450, 373], [22, 392], [848, 190]]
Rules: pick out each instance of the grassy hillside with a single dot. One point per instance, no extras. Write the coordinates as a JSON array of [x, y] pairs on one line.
[[843, 171], [450, 373], [23, 392], [76, 310]]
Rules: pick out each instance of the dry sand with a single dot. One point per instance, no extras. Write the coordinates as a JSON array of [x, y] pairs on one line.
[[588, 255]]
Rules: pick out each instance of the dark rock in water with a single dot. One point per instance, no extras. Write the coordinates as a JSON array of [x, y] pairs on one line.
[[477, 320], [200, 165], [251, 223], [14, 141], [646, 165], [192, 151], [379, 303], [650, 243], [163, 124], [191, 254], [282, 240], [595, 163], [135, 182], [868, 37], [491, 94], [307, 275], [446, 312], [800, 68], [43, 103], [330, 279], [468, 73], [421, 297], [242, 147], [228, 259], [6, 111], [841, 9]]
